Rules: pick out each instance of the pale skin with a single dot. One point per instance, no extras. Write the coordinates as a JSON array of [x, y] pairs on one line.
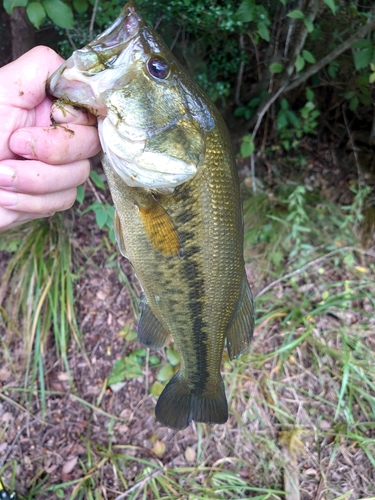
[[41, 164]]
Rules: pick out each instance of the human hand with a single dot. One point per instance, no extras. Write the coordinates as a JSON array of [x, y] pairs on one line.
[[41, 164]]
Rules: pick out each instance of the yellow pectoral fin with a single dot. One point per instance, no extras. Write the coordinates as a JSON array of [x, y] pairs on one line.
[[160, 228]]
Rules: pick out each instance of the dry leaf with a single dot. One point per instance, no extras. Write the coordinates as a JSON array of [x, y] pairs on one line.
[[69, 465], [159, 448], [190, 454]]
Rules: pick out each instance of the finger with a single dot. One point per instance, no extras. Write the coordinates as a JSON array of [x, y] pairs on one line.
[[10, 219], [38, 204], [57, 144], [36, 178], [27, 77], [65, 113]]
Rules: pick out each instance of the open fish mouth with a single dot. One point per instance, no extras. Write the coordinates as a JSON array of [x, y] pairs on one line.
[[106, 48], [87, 65]]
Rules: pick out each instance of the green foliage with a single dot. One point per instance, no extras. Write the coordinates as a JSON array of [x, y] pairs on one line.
[[365, 55], [36, 13], [59, 12], [276, 67], [247, 146], [104, 212], [297, 221], [252, 12], [292, 127], [127, 367], [248, 111], [138, 361], [297, 14], [331, 5]]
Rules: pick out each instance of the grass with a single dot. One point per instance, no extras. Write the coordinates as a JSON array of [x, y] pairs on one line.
[[38, 282], [302, 400]]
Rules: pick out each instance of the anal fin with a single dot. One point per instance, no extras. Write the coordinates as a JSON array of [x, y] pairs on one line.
[[151, 332], [241, 329]]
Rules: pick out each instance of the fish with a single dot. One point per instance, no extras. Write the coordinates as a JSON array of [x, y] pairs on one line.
[[167, 156]]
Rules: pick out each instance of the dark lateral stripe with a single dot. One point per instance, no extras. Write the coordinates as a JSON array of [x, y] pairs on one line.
[[196, 307]]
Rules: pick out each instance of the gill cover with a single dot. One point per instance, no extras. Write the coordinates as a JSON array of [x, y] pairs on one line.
[[152, 122]]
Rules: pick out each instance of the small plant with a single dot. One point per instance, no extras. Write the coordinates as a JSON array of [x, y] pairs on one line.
[[292, 127], [104, 212], [298, 222]]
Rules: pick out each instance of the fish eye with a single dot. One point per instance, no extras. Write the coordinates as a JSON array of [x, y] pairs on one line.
[[158, 68]]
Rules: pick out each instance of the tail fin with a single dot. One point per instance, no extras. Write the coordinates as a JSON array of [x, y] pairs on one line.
[[178, 405]]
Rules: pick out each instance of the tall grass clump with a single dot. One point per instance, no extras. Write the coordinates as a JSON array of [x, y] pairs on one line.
[[36, 293]]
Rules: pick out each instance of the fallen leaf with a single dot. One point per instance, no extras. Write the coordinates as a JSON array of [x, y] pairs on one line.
[[69, 465], [190, 454]]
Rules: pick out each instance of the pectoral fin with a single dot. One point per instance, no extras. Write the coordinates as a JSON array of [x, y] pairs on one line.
[[160, 228], [241, 329], [119, 234], [151, 332]]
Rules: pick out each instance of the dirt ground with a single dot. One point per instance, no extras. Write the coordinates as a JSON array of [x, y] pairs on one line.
[[84, 417]]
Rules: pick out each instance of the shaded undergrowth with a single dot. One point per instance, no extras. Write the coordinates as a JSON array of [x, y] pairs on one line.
[[302, 400]]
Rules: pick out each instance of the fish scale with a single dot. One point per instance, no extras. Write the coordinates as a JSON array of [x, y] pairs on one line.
[[175, 188]]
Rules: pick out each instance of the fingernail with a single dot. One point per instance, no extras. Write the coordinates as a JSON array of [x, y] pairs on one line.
[[22, 143], [8, 199], [7, 176]]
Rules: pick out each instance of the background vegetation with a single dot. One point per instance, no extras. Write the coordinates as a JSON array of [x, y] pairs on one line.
[[295, 82]]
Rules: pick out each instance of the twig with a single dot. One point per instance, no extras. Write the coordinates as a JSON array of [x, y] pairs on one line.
[[252, 173], [91, 29], [288, 84], [265, 108], [256, 51], [352, 144], [95, 192], [158, 22], [237, 96], [176, 38], [257, 125], [301, 38], [311, 263], [69, 36], [331, 56]]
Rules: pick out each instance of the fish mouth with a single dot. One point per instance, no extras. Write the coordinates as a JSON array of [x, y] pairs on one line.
[[125, 26], [109, 44], [86, 65]]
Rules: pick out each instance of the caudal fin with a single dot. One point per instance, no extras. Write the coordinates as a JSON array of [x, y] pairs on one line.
[[178, 405]]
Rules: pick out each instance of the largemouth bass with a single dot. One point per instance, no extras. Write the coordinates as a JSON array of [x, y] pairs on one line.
[[173, 179]]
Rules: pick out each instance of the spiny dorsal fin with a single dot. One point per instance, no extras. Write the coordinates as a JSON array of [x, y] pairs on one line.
[[241, 329], [151, 332], [160, 228]]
